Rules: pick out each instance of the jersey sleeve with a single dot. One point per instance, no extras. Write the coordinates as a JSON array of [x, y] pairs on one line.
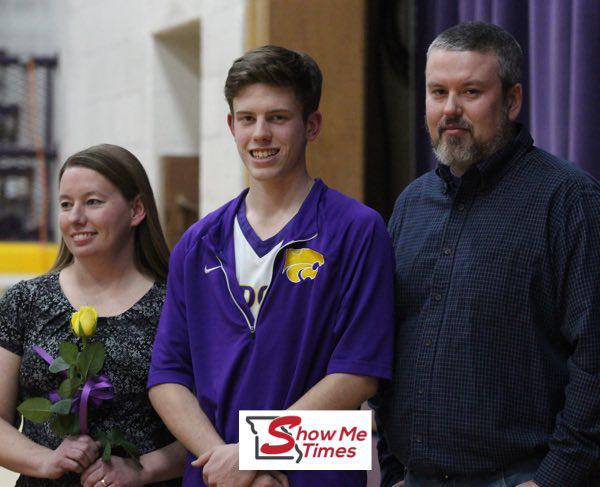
[[364, 325], [12, 316], [171, 357]]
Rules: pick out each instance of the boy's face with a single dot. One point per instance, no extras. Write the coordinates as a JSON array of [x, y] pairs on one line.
[[270, 133]]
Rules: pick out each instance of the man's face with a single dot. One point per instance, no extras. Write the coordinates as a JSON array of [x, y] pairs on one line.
[[468, 117], [270, 133]]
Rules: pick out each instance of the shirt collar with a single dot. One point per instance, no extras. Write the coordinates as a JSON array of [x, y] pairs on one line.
[[492, 169], [303, 226]]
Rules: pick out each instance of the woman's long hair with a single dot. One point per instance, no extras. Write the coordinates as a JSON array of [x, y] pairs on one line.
[[124, 170]]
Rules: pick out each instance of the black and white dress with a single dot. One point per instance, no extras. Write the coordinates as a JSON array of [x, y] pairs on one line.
[[36, 312]]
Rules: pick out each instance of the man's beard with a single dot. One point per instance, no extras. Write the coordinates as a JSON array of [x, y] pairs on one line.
[[461, 152]]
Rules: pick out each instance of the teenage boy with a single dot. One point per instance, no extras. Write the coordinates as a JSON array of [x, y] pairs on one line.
[[283, 297]]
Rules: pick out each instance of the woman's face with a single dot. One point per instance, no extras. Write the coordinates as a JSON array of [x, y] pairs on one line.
[[94, 217]]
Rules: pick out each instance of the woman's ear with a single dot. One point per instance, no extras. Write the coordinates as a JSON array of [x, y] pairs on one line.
[[138, 212]]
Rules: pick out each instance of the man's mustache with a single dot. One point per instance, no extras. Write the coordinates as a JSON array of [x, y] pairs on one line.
[[453, 123]]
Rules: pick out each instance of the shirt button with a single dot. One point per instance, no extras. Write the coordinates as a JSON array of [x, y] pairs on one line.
[[460, 207], [418, 439], [446, 251], [436, 296], [420, 392], [428, 343]]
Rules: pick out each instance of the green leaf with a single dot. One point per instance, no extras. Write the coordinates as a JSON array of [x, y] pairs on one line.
[[57, 426], [68, 351], [61, 407], [106, 453], [65, 389], [109, 436], [100, 436], [132, 451], [91, 360], [64, 425], [105, 444], [98, 356], [116, 436], [68, 387], [58, 365], [36, 409]]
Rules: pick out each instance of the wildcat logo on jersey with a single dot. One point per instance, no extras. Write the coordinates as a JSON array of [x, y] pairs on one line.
[[301, 264]]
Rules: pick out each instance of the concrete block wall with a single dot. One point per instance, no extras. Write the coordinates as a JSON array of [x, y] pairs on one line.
[[120, 85], [221, 171], [28, 27]]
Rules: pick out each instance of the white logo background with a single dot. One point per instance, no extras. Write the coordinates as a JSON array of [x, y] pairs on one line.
[[305, 440]]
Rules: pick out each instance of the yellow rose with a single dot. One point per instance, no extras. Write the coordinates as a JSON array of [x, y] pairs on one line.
[[84, 321]]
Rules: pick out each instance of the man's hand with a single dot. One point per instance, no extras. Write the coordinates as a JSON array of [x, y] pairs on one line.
[[531, 483], [221, 467], [271, 478]]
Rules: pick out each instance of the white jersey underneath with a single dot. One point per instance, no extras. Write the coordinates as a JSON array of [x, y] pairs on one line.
[[253, 273]]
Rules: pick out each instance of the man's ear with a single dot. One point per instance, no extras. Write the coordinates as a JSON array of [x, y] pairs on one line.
[[314, 123], [138, 212], [514, 98], [230, 123]]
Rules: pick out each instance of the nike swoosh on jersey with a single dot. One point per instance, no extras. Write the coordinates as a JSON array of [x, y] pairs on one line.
[[210, 269]]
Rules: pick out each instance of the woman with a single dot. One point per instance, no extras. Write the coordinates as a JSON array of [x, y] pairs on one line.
[[112, 256]]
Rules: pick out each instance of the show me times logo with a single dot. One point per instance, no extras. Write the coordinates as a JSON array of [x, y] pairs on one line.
[[305, 440]]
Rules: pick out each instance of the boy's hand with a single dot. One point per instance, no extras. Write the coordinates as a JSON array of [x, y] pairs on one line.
[[221, 467], [270, 479]]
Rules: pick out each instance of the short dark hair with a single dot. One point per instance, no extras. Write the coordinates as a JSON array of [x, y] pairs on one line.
[[126, 172], [278, 66], [485, 37]]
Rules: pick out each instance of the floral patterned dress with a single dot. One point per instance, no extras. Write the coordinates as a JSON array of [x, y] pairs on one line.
[[36, 312]]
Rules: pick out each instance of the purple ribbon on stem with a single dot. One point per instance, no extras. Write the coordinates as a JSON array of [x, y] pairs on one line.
[[94, 391]]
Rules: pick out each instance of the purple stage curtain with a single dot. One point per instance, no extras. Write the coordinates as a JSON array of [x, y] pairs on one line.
[[561, 72]]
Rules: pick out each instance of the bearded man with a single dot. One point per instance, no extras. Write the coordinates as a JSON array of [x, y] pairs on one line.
[[497, 362]]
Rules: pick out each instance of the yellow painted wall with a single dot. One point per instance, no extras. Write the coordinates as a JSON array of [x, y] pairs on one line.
[[333, 33], [26, 257]]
